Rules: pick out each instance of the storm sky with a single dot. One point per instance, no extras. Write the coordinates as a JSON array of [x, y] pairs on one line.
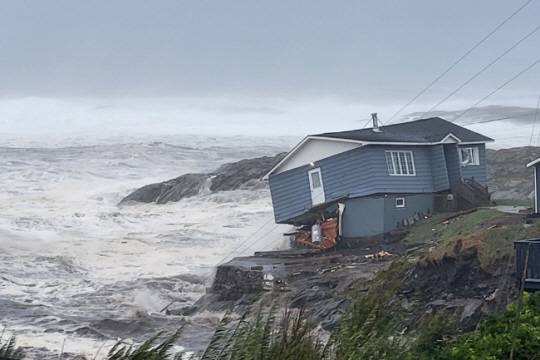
[[258, 57]]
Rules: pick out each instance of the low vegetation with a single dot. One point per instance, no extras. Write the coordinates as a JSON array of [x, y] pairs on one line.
[[268, 336], [515, 202], [493, 337], [149, 350], [9, 349]]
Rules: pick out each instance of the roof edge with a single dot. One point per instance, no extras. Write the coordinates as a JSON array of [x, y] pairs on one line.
[[309, 137], [534, 162]]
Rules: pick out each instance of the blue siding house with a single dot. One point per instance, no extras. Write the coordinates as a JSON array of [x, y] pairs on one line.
[[383, 177]]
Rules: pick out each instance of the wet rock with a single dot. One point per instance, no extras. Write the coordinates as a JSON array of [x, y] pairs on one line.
[[183, 311], [172, 190], [243, 174], [232, 282]]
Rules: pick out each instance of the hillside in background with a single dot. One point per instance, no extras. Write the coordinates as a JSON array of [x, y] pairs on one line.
[[508, 176]]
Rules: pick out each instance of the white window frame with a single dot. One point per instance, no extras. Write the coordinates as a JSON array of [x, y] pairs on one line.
[[312, 171], [400, 199], [474, 153], [395, 157]]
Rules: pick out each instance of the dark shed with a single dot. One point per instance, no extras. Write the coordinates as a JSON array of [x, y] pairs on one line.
[[532, 273]]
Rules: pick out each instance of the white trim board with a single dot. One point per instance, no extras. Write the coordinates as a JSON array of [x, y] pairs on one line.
[[534, 162], [314, 150]]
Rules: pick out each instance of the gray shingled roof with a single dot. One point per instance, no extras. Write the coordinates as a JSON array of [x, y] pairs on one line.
[[419, 131]]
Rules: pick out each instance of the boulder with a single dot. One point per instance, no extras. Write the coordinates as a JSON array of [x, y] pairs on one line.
[[243, 174]]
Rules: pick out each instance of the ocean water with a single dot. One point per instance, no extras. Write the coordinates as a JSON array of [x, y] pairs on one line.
[[79, 272]]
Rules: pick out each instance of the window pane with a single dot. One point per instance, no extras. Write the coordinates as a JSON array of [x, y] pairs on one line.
[[315, 180], [465, 156], [410, 166], [390, 164], [395, 157], [403, 163], [473, 154]]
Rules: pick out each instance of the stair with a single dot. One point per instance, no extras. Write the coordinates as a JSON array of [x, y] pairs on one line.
[[471, 194]]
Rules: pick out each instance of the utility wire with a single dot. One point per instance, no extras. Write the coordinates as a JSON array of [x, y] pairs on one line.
[[498, 88], [499, 119], [475, 46], [487, 66], [367, 122], [534, 122], [535, 119]]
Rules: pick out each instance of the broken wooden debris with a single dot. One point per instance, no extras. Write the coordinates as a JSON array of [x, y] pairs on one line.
[[378, 255]]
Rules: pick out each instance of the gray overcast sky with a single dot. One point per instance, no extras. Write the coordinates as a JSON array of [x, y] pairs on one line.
[[370, 49], [371, 52]]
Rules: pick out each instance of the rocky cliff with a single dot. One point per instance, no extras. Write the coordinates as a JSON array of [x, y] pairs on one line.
[[243, 174]]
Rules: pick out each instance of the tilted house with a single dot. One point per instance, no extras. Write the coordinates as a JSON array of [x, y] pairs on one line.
[[383, 177]]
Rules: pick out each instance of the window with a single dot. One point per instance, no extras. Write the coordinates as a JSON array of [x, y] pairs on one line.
[[469, 156], [400, 163], [315, 179], [400, 202]]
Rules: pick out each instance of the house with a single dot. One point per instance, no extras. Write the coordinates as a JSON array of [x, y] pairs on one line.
[[535, 164], [380, 178]]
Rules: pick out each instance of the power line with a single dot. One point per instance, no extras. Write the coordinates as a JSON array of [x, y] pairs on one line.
[[498, 88], [367, 122], [439, 77], [477, 74], [499, 119], [534, 122]]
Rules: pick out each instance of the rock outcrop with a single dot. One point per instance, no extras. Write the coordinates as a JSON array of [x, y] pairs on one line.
[[243, 174], [508, 178]]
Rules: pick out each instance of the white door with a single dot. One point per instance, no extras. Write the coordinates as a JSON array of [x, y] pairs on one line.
[[316, 186]]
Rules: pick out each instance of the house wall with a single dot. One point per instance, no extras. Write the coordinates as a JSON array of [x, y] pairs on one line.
[[355, 173], [369, 216], [414, 204], [453, 163], [478, 172], [290, 192], [439, 171], [363, 217]]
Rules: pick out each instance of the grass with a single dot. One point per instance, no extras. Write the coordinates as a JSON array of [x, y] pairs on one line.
[[149, 350], [367, 329], [515, 202], [435, 229], [263, 337], [491, 232], [9, 349]]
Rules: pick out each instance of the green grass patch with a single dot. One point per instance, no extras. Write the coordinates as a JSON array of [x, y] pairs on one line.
[[435, 229], [515, 202]]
